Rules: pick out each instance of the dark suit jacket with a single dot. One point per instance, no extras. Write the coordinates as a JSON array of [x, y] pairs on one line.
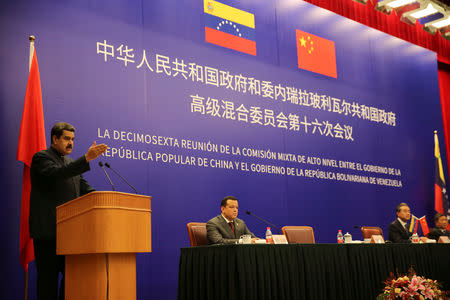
[[436, 233], [219, 232], [55, 180], [398, 233]]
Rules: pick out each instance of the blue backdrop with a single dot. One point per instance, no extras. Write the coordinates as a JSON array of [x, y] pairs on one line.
[[189, 122]]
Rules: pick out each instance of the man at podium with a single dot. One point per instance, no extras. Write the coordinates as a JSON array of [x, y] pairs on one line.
[[55, 179]]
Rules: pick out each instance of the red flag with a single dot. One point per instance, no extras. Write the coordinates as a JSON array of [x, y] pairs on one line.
[[31, 140], [316, 54], [424, 225]]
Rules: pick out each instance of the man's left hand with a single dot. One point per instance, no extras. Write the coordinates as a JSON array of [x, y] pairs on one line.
[[95, 151]]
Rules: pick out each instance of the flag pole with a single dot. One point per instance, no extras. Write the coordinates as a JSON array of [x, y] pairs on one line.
[[26, 284], [31, 38]]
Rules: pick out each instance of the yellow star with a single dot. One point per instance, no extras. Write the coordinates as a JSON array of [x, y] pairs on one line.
[[311, 47], [302, 42]]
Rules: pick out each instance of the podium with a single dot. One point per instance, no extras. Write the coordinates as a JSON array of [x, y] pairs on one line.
[[100, 234]]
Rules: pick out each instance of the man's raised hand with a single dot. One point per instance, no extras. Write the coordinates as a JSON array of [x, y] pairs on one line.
[[95, 151]]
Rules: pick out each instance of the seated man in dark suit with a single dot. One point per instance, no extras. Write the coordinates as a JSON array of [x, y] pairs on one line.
[[399, 229], [226, 228], [441, 222]]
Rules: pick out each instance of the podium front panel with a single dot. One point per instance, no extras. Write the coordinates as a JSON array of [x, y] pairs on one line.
[[104, 222]]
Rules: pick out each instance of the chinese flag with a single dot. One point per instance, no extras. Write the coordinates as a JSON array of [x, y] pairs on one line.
[[316, 54], [31, 140], [424, 225]]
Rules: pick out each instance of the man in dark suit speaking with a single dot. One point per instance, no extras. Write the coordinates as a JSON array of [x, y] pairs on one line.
[[55, 179], [226, 228]]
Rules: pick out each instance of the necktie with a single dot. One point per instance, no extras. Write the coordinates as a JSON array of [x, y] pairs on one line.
[[232, 227]]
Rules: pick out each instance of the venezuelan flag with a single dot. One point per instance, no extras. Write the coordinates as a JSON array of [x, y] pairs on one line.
[[414, 224], [229, 27], [441, 204]]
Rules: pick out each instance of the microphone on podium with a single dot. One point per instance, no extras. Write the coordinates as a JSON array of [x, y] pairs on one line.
[[261, 219], [107, 176], [109, 167]]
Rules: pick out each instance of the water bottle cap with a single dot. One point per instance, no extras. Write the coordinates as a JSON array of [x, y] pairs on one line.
[[339, 230]]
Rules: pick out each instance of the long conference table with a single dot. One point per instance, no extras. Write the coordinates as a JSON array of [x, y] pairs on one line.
[[304, 271]]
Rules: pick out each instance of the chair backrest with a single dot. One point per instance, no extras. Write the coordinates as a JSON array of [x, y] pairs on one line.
[[299, 234], [368, 231], [197, 234]]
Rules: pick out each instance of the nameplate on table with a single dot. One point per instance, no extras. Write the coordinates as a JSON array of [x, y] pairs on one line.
[[376, 239], [444, 240], [279, 239]]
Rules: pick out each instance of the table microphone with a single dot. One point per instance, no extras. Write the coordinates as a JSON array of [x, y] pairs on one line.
[[109, 167], [107, 176], [261, 219]]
